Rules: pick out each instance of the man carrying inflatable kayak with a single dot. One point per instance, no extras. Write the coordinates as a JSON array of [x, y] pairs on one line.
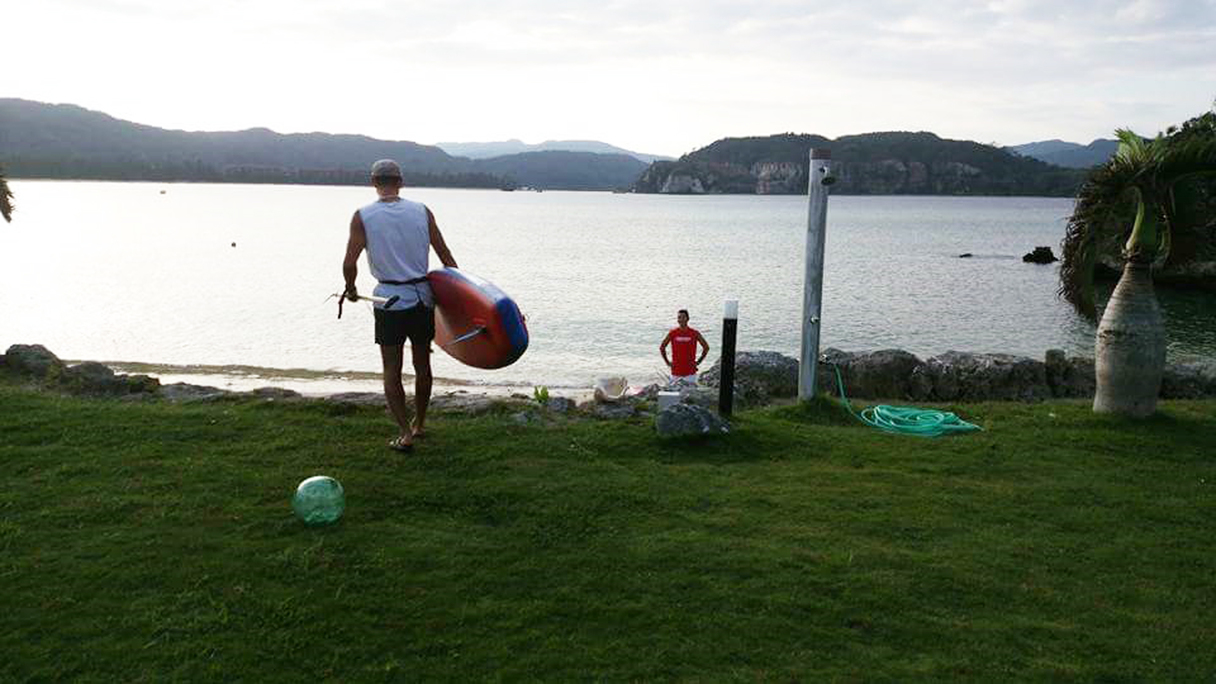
[[398, 235]]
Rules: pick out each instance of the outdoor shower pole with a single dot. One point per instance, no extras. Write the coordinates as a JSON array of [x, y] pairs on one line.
[[726, 384], [819, 177]]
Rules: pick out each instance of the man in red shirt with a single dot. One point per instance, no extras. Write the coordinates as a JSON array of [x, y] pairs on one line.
[[684, 341]]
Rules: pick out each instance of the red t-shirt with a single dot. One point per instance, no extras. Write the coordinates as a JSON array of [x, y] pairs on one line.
[[683, 350]]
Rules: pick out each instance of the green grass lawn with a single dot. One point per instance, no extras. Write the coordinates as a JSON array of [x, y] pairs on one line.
[[156, 542]]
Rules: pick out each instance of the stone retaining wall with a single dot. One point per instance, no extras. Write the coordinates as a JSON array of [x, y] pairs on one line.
[[953, 376], [760, 377]]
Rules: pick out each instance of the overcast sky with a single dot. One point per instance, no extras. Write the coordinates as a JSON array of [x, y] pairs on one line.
[[653, 76]]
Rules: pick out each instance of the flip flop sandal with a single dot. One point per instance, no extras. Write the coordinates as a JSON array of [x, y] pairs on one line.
[[400, 445]]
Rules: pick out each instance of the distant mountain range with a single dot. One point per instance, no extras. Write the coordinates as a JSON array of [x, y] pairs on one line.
[[484, 150], [1068, 154], [39, 140], [868, 164]]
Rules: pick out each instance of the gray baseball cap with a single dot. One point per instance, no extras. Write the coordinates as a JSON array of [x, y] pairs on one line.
[[386, 168]]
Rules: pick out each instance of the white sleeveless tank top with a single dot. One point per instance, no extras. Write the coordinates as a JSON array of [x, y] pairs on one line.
[[398, 249]]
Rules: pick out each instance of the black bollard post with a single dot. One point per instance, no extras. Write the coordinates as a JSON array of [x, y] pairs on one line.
[[726, 381]]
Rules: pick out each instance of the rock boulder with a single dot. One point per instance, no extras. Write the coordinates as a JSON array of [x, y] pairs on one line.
[[765, 373], [649, 392], [185, 392], [359, 399], [91, 377], [611, 411], [962, 376], [560, 404], [882, 374], [705, 397], [1069, 377], [749, 394], [1040, 255], [33, 361], [272, 394], [688, 420], [471, 404], [1193, 380]]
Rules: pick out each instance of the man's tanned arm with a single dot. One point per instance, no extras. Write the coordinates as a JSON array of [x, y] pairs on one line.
[[354, 247], [704, 347], [663, 349], [441, 247]]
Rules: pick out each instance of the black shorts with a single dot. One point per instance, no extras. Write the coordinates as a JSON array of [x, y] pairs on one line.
[[394, 327]]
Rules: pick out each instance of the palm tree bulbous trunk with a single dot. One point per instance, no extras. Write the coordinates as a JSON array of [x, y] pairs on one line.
[[1129, 358]]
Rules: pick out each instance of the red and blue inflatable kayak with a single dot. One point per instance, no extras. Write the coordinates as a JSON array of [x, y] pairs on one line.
[[475, 322]]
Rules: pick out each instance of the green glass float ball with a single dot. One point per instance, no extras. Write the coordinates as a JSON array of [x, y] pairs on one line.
[[319, 500]]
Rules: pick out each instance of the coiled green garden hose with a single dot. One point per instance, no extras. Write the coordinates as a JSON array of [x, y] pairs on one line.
[[903, 420]]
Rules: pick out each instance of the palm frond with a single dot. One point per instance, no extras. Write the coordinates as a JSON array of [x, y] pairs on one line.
[[1105, 211], [1101, 213], [6, 199], [1132, 148], [1186, 158]]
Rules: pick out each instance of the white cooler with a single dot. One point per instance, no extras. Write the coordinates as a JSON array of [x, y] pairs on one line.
[[668, 399]]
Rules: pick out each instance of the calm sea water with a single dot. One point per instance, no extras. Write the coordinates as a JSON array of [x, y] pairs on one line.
[[148, 272]]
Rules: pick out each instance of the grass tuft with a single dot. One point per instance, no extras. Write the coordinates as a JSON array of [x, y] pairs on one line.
[[822, 410]]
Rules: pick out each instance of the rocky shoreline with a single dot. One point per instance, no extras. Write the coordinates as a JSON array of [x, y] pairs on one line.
[[953, 376], [761, 377], [36, 364]]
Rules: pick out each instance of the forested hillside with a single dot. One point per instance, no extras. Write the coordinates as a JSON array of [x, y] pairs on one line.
[[39, 140], [871, 163]]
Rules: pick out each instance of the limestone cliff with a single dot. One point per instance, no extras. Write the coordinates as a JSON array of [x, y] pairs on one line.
[[871, 164]]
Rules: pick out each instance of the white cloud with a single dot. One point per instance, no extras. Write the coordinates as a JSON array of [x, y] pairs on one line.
[[661, 77]]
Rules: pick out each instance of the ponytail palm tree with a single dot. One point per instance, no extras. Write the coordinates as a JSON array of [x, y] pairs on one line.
[[1150, 180], [6, 199]]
